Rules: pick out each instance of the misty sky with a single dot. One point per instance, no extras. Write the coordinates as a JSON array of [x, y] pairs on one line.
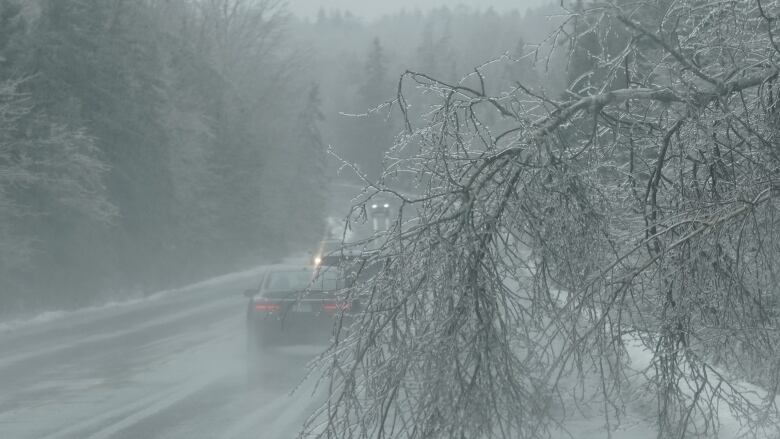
[[369, 9]]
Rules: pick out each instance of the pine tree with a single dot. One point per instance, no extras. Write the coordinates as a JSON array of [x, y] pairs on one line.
[[312, 169], [373, 91]]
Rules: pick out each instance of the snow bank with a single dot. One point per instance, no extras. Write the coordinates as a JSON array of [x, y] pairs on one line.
[[640, 358]]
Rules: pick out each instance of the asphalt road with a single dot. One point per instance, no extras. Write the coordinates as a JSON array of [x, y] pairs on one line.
[[173, 366]]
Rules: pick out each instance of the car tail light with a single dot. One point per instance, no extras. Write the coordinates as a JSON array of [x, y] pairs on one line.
[[333, 307], [266, 307]]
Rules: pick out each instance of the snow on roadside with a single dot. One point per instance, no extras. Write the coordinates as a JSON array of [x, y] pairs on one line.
[[638, 420], [50, 316], [641, 357]]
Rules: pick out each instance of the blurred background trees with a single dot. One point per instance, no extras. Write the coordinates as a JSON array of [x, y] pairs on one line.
[[144, 144]]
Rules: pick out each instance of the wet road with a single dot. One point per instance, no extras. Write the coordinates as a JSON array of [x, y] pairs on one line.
[[174, 366], [169, 367]]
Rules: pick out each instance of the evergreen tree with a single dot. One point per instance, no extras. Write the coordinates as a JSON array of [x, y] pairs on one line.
[[435, 54], [312, 163], [373, 91], [373, 131]]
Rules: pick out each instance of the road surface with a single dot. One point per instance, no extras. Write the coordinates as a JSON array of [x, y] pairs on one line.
[[168, 367], [174, 366]]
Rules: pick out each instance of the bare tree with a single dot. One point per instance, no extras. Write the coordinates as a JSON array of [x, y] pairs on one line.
[[239, 33], [636, 214]]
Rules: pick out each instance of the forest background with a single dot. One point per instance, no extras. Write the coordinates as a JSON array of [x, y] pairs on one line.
[[148, 144]]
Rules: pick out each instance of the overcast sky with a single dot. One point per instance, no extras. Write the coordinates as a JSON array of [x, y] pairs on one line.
[[370, 9]]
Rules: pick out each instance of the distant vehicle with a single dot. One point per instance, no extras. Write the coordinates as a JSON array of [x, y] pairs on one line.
[[380, 216], [295, 305], [353, 262], [333, 253]]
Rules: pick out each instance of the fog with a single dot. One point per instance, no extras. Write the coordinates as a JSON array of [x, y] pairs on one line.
[[148, 147], [411, 219], [372, 10]]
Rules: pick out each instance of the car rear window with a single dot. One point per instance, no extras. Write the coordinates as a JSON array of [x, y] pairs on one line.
[[288, 280]]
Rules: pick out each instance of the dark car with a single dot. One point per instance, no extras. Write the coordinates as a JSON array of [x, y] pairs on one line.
[[296, 305]]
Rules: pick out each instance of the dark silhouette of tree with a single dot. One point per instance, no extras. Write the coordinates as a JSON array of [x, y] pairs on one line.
[[372, 130]]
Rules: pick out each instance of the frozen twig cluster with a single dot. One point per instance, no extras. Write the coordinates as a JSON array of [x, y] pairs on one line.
[[640, 207]]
